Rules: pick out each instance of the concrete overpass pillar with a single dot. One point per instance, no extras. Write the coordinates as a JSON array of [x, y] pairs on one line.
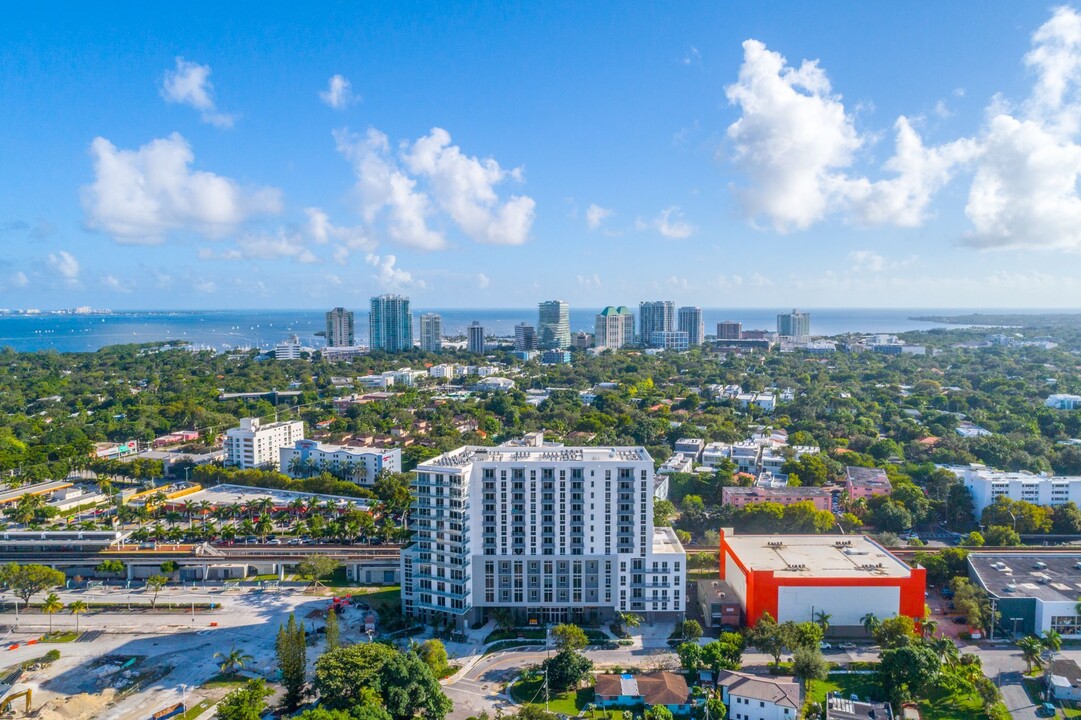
[[130, 573], [281, 572]]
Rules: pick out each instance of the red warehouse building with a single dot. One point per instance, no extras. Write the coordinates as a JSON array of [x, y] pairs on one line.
[[796, 577]]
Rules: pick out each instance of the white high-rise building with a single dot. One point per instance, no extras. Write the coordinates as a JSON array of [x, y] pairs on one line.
[[691, 322], [551, 533], [553, 325], [795, 325], [614, 328], [986, 485], [475, 338], [390, 324], [288, 349], [431, 332], [655, 316], [340, 328], [254, 445]]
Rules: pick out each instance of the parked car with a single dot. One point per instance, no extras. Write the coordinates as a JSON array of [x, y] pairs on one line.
[[824, 646], [960, 620]]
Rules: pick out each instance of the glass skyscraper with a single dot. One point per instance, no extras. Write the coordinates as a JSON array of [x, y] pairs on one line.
[[390, 324], [553, 325]]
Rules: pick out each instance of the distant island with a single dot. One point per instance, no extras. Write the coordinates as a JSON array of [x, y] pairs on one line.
[[1014, 320]]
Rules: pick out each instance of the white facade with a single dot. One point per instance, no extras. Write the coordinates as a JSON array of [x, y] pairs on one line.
[[289, 349], [986, 484], [655, 316], [254, 445], [362, 465], [1063, 402], [550, 532], [381, 381], [431, 332], [670, 340], [758, 697], [690, 321], [495, 384], [614, 328]]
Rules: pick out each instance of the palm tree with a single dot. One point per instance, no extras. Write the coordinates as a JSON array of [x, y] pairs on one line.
[[870, 623], [823, 619], [1052, 640], [50, 607], [947, 650], [77, 608], [1031, 651], [233, 661], [928, 627]]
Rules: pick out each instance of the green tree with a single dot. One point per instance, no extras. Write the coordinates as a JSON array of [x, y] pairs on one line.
[[663, 510], [434, 654], [50, 607], [569, 637], [1024, 517], [908, 671], [154, 585], [973, 602], [822, 619], [895, 632], [342, 672], [77, 608], [972, 539], [725, 653], [1066, 519], [566, 669], [333, 632], [291, 648], [687, 630], [658, 712], [1001, 536], [535, 712], [690, 655], [245, 703], [408, 688], [808, 664], [26, 581], [1031, 651], [316, 568], [110, 566], [233, 661], [767, 637]]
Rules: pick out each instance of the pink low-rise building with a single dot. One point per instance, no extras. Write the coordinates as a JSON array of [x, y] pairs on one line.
[[742, 496], [864, 482]]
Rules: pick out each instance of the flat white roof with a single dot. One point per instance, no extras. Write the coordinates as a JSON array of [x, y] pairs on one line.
[[837, 556], [229, 494], [665, 541], [544, 454]]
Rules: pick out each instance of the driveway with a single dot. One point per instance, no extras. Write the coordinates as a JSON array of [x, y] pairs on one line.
[[1015, 697]]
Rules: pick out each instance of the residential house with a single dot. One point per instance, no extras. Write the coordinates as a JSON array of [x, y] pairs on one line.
[[647, 689], [755, 697]]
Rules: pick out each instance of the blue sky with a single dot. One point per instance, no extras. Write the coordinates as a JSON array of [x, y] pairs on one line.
[[156, 156]]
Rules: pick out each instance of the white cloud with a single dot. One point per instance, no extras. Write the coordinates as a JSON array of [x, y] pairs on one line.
[[670, 224], [390, 277], [283, 244], [348, 239], [795, 141], [204, 286], [19, 279], [111, 282], [382, 185], [942, 110], [139, 196], [1024, 193], [595, 215], [463, 186], [339, 93], [435, 175], [189, 84], [692, 57], [483, 281], [65, 265], [866, 260], [162, 280], [589, 282]]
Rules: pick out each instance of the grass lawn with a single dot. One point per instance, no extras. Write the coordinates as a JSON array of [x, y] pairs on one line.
[[225, 681], [60, 637], [531, 692], [935, 705], [196, 710], [382, 599]]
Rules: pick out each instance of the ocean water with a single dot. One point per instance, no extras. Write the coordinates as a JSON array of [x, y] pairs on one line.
[[227, 329]]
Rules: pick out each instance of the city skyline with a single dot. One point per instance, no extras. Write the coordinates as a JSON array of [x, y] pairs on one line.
[[151, 162]]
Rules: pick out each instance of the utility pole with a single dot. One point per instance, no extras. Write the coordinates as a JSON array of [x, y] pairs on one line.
[[548, 652]]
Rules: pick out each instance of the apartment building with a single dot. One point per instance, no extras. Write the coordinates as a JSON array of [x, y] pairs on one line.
[[689, 320], [614, 327], [655, 316], [551, 533], [986, 485], [553, 325], [476, 338], [340, 328], [362, 465], [431, 332], [390, 324], [254, 445]]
